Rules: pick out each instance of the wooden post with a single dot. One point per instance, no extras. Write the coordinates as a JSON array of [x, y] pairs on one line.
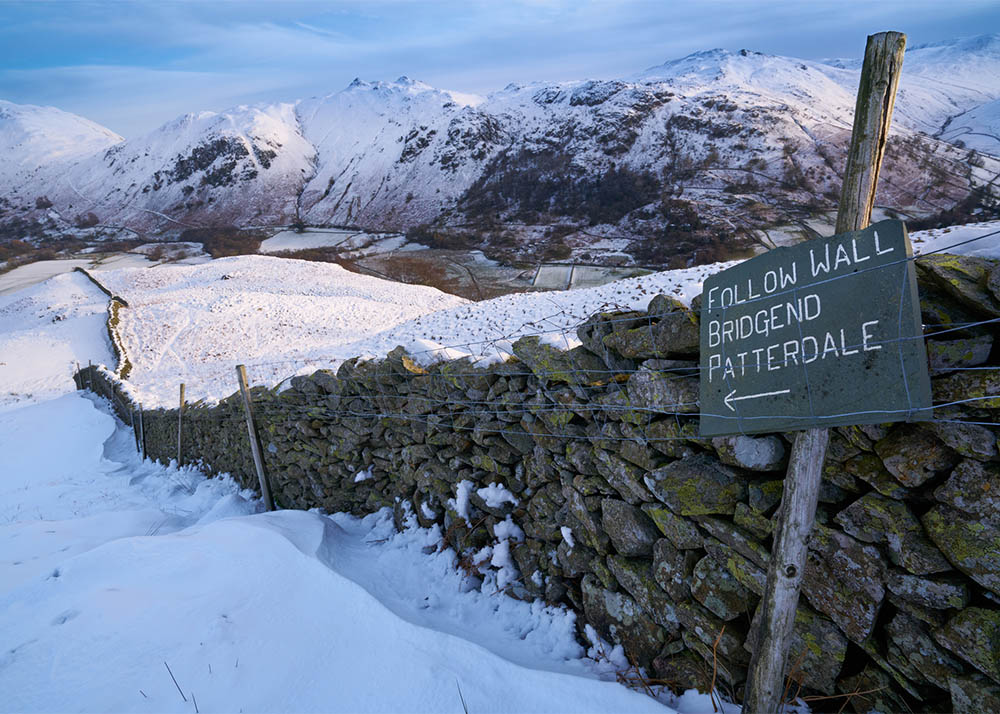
[[142, 434], [872, 114], [258, 462], [131, 417], [90, 375], [180, 417]]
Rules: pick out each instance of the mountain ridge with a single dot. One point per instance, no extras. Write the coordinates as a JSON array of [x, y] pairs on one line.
[[743, 141]]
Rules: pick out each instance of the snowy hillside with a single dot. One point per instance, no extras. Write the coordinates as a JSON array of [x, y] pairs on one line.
[[978, 128], [195, 165], [38, 136], [282, 317], [381, 151], [269, 313], [940, 79], [35, 141], [680, 159]]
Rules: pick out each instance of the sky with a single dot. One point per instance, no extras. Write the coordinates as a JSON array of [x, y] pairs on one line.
[[132, 65]]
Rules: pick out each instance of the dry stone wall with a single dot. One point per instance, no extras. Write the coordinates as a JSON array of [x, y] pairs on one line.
[[578, 477]]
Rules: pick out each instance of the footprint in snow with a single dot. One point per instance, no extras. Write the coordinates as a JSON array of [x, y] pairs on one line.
[[65, 617]]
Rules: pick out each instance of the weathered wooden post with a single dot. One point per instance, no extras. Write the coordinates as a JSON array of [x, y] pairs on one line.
[[135, 433], [180, 418], [258, 462], [872, 114], [142, 434]]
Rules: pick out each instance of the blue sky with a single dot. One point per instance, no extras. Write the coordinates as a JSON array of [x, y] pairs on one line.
[[134, 64]]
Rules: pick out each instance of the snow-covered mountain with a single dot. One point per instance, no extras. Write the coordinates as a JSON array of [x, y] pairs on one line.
[[391, 153], [37, 141], [714, 142], [978, 128], [242, 166]]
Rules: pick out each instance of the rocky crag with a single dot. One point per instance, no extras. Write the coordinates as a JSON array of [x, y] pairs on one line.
[[578, 477]]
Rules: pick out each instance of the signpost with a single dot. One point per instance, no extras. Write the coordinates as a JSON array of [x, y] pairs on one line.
[[824, 333], [873, 112]]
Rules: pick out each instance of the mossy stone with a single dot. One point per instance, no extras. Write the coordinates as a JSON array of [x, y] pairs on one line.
[[845, 580], [673, 568], [914, 455], [635, 575], [631, 531], [719, 591], [816, 650], [938, 594], [973, 634], [874, 518], [969, 543], [698, 485], [681, 532], [620, 620], [975, 489]]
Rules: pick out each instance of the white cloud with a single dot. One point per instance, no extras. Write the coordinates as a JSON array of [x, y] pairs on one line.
[[133, 70]]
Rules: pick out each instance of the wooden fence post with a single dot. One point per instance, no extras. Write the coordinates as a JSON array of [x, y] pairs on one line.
[[258, 462], [872, 114], [131, 417], [180, 416], [142, 434]]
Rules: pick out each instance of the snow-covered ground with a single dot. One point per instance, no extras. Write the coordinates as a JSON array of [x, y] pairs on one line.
[[44, 331], [281, 317], [180, 253], [130, 586], [976, 239], [348, 242], [113, 570], [33, 273], [194, 324]]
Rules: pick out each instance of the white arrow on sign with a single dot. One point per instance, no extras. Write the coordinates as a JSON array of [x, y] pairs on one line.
[[730, 398]]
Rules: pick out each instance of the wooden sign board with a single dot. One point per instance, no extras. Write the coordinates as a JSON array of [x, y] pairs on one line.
[[825, 333]]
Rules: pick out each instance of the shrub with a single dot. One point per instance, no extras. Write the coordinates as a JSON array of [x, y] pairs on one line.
[[223, 241], [86, 220]]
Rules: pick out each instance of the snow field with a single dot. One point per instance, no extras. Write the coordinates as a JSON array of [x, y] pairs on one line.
[[351, 243], [193, 324], [113, 569], [44, 331], [280, 317]]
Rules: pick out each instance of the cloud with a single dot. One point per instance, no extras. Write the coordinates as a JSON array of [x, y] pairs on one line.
[[133, 70], [134, 100]]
